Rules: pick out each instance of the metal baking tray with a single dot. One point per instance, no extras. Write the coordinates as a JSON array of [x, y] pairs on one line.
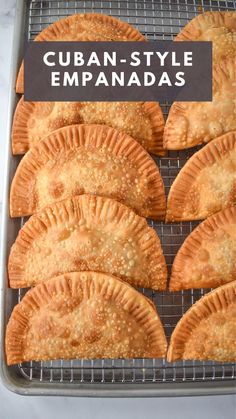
[[138, 377]]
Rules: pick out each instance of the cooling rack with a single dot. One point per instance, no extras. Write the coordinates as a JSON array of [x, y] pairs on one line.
[[157, 20]]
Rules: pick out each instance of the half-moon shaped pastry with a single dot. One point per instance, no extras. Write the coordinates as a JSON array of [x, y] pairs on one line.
[[87, 233], [207, 182], [144, 121], [192, 123], [207, 330], [217, 27], [84, 27], [207, 258], [84, 315], [82, 159]]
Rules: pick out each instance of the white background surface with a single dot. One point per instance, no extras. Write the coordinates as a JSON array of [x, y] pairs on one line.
[[13, 406]]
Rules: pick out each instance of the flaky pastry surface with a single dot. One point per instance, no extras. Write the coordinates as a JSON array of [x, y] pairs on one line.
[[87, 233], [207, 330], [84, 315], [207, 182], [207, 258]]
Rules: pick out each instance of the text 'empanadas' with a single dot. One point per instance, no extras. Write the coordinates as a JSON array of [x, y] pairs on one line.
[[32, 121], [87, 233], [207, 330], [216, 27], [192, 123], [84, 27], [207, 182], [88, 159], [207, 257], [84, 315]]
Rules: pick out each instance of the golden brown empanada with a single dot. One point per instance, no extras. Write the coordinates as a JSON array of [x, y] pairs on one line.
[[93, 159], [192, 123], [217, 27], [84, 315], [84, 27], [207, 257], [144, 121], [207, 182], [87, 233], [207, 330]]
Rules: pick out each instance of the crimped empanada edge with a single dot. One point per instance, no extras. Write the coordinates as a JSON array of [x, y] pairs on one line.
[[187, 252], [213, 18], [119, 144], [46, 34], [216, 150], [87, 283], [98, 211], [222, 73], [155, 115], [213, 302]]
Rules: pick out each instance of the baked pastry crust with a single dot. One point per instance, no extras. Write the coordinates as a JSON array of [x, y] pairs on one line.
[[87, 233], [207, 182], [93, 159], [84, 315], [217, 27], [207, 258], [84, 27], [32, 121], [207, 330], [192, 123]]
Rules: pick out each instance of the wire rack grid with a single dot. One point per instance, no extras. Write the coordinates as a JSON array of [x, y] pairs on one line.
[[157, 20]]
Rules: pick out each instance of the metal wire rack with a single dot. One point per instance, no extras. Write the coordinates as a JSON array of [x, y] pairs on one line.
[[157, 20]]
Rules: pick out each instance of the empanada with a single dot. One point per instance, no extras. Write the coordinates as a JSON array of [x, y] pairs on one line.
[[207, 330], [87, 233], [93, 159], [84, 315], [207, 182], [144, 121], [217, 27], [192, 123], [84, 27], [207, 257]]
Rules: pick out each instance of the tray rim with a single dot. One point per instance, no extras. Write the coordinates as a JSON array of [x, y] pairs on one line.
[[24, 387]]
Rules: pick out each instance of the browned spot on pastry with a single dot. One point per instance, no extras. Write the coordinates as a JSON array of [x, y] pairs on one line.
[[98, 314], [208, 270], [31, 123], [61, 331], [203, 255], [79, 190], [232, 194], [213, 207], [63, 305], [56, 189], [92, 336], [75, 342], [80, 264], [45, 326], [221, 234], [63, 234], [194, 198], [230, 166]]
